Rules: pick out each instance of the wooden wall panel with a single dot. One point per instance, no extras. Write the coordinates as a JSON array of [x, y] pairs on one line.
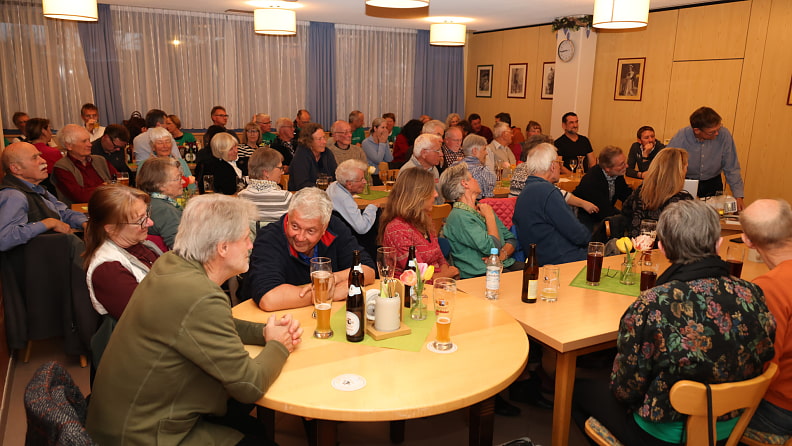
[[712, 32]]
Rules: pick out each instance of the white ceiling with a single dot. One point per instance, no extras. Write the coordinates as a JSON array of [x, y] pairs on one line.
[[498, 14]]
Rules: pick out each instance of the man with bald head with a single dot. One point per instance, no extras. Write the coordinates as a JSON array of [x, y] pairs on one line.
[[768, 229], [452, 146], [26, 208]]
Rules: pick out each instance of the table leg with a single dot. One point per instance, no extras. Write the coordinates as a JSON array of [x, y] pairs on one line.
[[267, 418], [564, 385], [482, 416], [397, 431], [326, 433]]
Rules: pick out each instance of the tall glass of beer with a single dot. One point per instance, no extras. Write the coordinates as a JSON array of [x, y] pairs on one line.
[[444, 299], [322, 282]]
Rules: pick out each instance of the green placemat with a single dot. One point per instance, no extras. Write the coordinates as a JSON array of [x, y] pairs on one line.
[[609, 284], [412, 342], [374, 195]]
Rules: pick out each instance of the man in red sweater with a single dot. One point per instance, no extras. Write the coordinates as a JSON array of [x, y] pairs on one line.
[[768, 229]]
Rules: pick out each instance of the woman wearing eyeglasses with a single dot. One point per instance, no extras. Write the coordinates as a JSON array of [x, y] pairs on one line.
[[162, 180]]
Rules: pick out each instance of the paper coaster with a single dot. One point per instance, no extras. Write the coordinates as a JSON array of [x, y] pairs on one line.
[[348, 382], [430, 346]]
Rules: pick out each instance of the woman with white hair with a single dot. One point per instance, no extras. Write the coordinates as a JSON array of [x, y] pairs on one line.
[[176, 369], [227, 176], [78, 173], [452, 119], [161, 141]]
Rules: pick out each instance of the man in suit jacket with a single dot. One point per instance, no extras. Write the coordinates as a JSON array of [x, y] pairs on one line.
[[603, 185]]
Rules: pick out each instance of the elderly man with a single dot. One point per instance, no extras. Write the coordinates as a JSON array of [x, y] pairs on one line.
[[280, 263], [768, 229], [342, 146], [426, 156], [285, 142], [475, 149], [351, 180], [78, 174], [712, 151], [541, 215], [571, 144], [517, 136], [699, 323], [264, 121], [356, 122], [176, 370], [603, 185], [90, 116], [482, 130], [303, 119], [452, 146], [499, 155], [142, 143], [112, 146], [26, 208]]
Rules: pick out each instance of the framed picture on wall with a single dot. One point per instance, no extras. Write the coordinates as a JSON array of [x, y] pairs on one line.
[[548, 80], [484, 81], [789, 95], [629, 79], [518, 75]]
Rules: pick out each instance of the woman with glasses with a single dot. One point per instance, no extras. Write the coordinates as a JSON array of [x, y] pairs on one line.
[[161, 147], [251, 140], [117, 254], [263, 189], [161, 179], [311, 159]]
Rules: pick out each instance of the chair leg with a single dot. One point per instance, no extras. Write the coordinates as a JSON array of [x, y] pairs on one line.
[[29, 347], [83, 361]]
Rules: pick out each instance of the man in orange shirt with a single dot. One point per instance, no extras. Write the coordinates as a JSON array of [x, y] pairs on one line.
[[768, 229]]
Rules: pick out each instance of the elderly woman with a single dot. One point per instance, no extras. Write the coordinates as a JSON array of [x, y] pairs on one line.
[[662, 186], [311, 158], [266, 169], [162, 147], [699, 323], [251, 140], [177, 367], [78, 174], [452, 119], [376, 145], [222, 165], [161, 179], [38, 133], [407, 221], [473, 229], [173, 125]]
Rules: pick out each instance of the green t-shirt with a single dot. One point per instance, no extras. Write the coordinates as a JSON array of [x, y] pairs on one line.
[[674, 431], [268, 137], [358, 135], [394, 133], [186, 137], [6, 142]]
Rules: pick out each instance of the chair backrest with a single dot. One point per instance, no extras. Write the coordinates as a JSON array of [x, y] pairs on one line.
[[690, 398], [55, 408], [439, 214], [503, 207]]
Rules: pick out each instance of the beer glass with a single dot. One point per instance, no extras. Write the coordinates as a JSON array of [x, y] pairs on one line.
[[322, 282], [550, 283], [386, 262], [596, 251], [444, 297]]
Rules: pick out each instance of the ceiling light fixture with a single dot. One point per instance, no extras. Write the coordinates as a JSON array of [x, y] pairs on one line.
[[80, 10], [398, 3], [447, 34], [275, 21], [621, 14]]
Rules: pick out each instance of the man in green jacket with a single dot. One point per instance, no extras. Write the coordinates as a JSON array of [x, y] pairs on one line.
[[176, 359]]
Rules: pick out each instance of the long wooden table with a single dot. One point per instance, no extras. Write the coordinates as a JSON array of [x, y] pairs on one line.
[[493, 350], [580, 322], [379, 202]]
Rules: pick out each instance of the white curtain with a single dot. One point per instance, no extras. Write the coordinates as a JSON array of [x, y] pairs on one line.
[[219, 60], [43, 67], [374, 71]]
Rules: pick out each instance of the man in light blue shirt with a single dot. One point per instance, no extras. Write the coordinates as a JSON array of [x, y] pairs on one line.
[[26, 208], [711, 150], [350, 180]]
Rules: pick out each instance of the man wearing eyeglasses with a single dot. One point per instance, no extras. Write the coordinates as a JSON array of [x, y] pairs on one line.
[[112, 146], [26, 208], [341, 144], [264, 122], [711, 150], [427, 155]]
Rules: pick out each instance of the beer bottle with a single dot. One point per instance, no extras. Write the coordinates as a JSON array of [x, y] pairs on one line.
[[355, 312], [410, 265], [355, 262], [530, 277]]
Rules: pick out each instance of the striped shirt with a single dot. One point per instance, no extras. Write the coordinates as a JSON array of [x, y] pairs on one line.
[[271, 201]]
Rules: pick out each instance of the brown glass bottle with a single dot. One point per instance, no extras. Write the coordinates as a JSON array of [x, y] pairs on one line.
[[355, 308], [530, 284], [410, 265]]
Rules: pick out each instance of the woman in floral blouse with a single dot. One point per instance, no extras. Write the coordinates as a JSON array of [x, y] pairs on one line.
[[699, 323]]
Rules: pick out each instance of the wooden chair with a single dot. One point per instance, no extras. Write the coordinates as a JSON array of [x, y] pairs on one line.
[[690, 398], [284, 182], [439, 214]]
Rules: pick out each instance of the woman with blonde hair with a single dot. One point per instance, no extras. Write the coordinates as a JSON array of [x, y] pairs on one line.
[[251, 140], [452, 119], [407, 221], [663, 184]]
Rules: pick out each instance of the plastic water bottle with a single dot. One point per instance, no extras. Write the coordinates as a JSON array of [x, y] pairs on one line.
[[494, 269]]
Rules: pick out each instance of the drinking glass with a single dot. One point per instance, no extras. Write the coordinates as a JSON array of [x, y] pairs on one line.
[[573, 165], [649, 229], [444, 299], [648, 275], [550, 283], [208, 181], [580, 162], [123, 178], [386, 262], [322, 282], [596, 251], [322, 181], [735, 254]]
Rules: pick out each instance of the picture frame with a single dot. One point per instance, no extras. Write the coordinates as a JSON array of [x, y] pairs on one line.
[[630, 75], [789, 95], [548, 80], [518, 77], [484, 81]]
